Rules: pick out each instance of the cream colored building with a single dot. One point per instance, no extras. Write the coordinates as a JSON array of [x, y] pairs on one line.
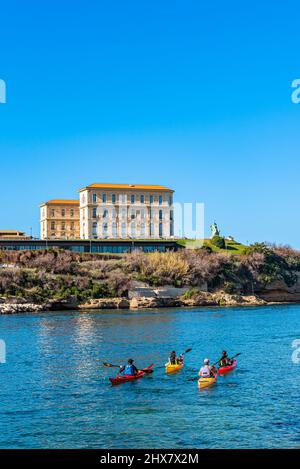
[[60, 219], [126, 211]]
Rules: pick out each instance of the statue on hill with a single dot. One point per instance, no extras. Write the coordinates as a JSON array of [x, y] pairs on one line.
[[214, 230]]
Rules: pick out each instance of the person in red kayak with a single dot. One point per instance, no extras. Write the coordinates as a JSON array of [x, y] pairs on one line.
[[130, 369], [207, 371], [225, 360]]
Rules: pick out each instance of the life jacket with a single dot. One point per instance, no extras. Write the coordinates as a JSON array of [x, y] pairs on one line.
[[205, 371], [129, 370]]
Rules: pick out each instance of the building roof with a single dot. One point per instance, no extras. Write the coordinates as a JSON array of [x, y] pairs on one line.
[[61, 202], [127, 186], [11, 231]]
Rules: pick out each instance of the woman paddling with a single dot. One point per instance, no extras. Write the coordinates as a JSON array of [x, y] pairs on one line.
[[207, 371]]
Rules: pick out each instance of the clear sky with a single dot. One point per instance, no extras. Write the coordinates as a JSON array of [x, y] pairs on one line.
[[189, 94]]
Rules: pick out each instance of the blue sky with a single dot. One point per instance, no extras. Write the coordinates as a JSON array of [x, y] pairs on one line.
[[193, 95]]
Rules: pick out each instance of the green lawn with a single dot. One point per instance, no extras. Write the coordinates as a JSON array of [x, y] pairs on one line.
[[232, 247]]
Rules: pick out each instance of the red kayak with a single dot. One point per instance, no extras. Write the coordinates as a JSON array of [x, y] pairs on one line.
[[119, 379], [226, 369]]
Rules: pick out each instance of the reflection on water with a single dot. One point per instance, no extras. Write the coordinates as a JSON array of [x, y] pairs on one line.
[[56, 393]]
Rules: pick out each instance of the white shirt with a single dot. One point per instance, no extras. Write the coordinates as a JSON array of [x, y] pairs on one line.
[[205, 371]]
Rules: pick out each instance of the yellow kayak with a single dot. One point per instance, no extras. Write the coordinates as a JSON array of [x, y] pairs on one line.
[[173, 368], [206, 382]]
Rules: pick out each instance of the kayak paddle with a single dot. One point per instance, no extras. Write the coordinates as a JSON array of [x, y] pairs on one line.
[[119, 366]]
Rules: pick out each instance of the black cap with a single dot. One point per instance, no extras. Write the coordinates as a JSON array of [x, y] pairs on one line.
[[130, 361]]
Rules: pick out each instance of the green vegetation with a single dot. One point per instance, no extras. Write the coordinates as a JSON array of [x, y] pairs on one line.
[[230, 247], [36, 276]]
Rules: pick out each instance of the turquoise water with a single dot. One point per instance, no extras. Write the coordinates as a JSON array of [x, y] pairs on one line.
[[55, 392]]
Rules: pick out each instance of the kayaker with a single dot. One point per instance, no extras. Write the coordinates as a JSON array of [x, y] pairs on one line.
[[172, 358], [180, 359], [129, 369], [207, 371], [225, 360]]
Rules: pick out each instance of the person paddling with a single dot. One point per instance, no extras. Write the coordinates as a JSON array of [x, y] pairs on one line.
[[207, 371], [172, 358], [130, 369], [225, 360]]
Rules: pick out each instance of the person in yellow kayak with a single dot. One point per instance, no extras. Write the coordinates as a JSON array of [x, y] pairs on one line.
[[174, 360], [225, 360], [129, 369], [207, 370]]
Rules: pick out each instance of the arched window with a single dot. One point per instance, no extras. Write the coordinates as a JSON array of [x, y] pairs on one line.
[[133, 230], [124, 230]]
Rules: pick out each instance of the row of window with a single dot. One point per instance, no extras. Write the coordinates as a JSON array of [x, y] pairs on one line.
[[54, 213], [123, 199], [133, 213], [53, 226], [98, 249], [144, 231]]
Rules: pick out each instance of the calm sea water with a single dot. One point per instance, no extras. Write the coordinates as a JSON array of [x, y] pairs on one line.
[[55, 392]]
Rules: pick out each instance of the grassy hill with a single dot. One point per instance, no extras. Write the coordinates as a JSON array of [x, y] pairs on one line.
[[232, 247]]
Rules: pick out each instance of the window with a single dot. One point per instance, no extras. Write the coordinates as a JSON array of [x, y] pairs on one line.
[[113, 198], [172, 229], [150, 213], [151, 199], [124, 231], [124, 213], [104, 198], [95, 227], [143, 213], [160, 230], [63, 212], [132, 230], [104, 213], [171, 215], [104, 230], [113, 213], [132, 198], [72, 213], [123, 198], [160, 199], [53, 213], [151, 229], [83, 198], [94, 198], [94, 212], [132, 214], [72, 225], [142, 199], [143, 230], [114, 230], [53, 225], [170, 200], [63, 226], [160, 214]]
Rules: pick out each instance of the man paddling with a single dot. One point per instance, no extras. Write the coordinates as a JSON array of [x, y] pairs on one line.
[[130, 369], [225, 360], [207, 371]]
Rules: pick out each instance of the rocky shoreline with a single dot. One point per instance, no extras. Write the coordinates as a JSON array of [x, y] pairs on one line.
[[203, 299]]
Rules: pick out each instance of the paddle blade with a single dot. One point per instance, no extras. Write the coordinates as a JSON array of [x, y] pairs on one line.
[[188, 350], [110, 365]]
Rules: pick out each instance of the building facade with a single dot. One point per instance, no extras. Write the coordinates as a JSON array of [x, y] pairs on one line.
[[60, 219], [13, 234], [116, 211]]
